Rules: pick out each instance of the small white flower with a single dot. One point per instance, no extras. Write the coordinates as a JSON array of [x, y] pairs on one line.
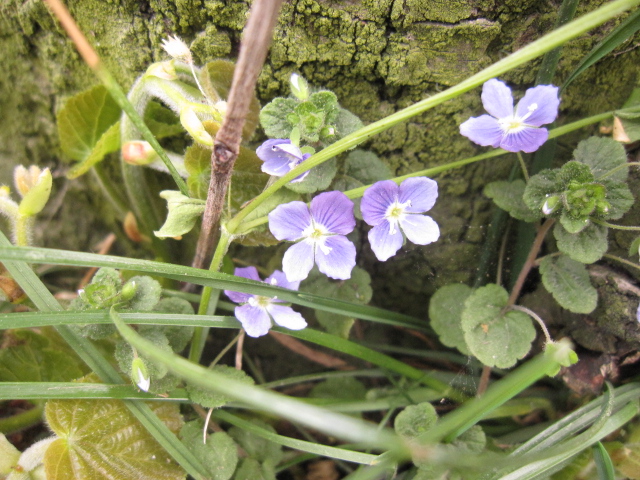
[[177, 49]]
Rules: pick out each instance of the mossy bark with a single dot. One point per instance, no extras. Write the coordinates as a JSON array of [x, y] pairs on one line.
[[377, 55]]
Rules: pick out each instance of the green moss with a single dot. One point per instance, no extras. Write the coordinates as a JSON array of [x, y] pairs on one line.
[[408, 12]]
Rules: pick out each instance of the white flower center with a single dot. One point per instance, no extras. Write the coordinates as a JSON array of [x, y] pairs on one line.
[[259, 301], [396, 213], [515, 124], [317, 234]]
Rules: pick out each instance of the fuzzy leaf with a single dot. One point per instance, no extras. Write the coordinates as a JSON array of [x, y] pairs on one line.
[[366, 167], [102, 439], [162, 121], [182, 216], [251, 469], [497, 339], [508, 196], [568, 282], [219, 455], [356, 289], [573, 225], [415, 420], [197, 162], [257, 447], [209, 399], [327, 102], [619, 197], [347, 123], [634, 248], [108, 142], [319, 178], [588, 246], [602, 155], [445, 312], [539, 188], [146, 296], [84, 119], [274, 117]]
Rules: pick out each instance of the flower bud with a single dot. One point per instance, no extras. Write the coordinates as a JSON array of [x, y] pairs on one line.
[[177, 49], [164, 70], [138, 152], [299, 87], [35, 187], [194, 126], [128, 290], [550, 204], [140, 374]]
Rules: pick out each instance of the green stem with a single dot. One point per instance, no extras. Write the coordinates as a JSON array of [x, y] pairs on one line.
[[523, 166], [209, 298], [533, 50], [617, 227], [23, 226], [622, 260], [22, 420], [619, 167]]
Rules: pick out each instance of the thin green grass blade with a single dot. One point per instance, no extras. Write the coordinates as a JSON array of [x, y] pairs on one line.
[[90, 391], [604, 465], [206, 278], [303, 446]]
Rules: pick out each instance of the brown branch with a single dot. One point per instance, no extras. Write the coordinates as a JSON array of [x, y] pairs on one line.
[[253, 52], [309, 353]]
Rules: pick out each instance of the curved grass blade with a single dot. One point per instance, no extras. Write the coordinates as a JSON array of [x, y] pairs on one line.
[[89, 391]]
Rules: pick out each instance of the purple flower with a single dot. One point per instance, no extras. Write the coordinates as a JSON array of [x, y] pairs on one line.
[[393, 209], [256, 312], [319, 231], [514, 132], [280, 157]]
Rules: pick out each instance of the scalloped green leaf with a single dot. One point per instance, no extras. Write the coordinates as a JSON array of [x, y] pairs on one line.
[[415, 420], [256, 447], [356, 289], [619, 197], [346, 123], [108, 142], [366, 167], [445, 313], [102, 439], [274, 117], [209, 399], [146, 296], [588, 246], [539, 187], [319, 178], [497, 339], [568, 281], [219, 454], [197, 163], [183, 212], [508, 196], [603, 155]]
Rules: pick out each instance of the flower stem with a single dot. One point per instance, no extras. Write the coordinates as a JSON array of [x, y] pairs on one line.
[[535, 316], [617, 227], [628, 263], [619, 167], [22, 229], [523, 166]]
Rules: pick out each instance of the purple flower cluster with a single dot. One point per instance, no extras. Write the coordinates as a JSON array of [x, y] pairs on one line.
[[513, 131]]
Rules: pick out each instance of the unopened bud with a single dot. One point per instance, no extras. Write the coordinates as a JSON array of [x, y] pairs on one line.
[[164, 70], [177, 49], [35, 187], [550, 204], [138, 152], [140, 374], [129, 290], [194, 126], [130, 226], [299, 87]]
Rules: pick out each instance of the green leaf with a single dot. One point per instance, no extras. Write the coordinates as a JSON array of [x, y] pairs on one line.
[[588, 246], [108, 142], [146, 296], [274, 117], [346, 388], [540, 187], [572, 224], [219, 454], [356, 289], [568, 282], [251, 469], [178, 336], [257, 447], [508, 196], [346, 123], [162, 121], [619, 197], [445, 312], [84, 119], [604, 465], [414, 420], [209, 399], [634, 248], [497, 339], [602, 155], [197, 162], [182, 216], [102, 439], [319, 178], [366, 167], [327, 102]]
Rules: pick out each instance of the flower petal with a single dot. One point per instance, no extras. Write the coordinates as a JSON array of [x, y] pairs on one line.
[[420, 229], [247, 272], [298, 261], [421, 191], [279, 279], [287, 221], [376, 199], [338, 262], [286, 317], [255, 320], [483, 130], [334, 211], [267, 151], [545, 99], [277, 166], [497, 99], [527, 140], [383, 243]]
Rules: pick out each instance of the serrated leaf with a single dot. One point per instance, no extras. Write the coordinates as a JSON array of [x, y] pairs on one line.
[[327, 102], [602, 155], [508, 196], [568, 281], [588, 246], [183, 212], [497, 339], [319, 178], [84, 119], [102, 439], [415, 420], [216, 77], [219, 454], [445, 313], [356, 289], [257, 447], [274, 117], [209, 399]]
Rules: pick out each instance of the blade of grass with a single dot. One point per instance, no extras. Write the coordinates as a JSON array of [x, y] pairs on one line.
[[71, 390]]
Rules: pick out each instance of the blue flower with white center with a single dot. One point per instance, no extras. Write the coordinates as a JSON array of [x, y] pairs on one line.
[[393, 210], [280, 156], [319, 230], [513, 131], [256, 312]]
